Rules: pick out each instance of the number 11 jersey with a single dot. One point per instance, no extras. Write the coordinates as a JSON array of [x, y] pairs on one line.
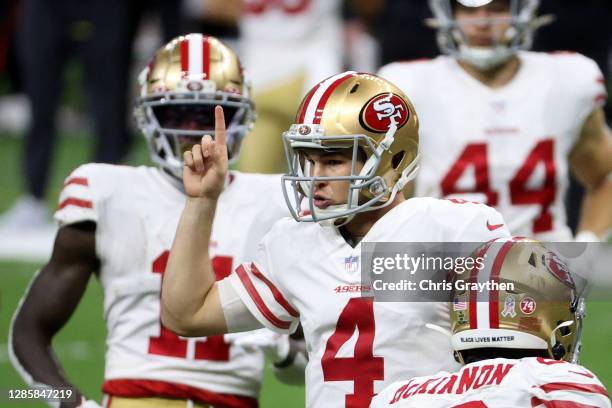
[[136, 211]]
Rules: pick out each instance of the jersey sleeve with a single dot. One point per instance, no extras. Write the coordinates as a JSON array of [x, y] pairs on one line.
[[560, 384], [238, 318], [259, 290], [475, 222], [586, 84], [79, 199], [405, 75]]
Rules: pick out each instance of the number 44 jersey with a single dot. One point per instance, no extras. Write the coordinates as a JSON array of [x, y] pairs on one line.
[[508, 146], [136, 211], [307, 273]]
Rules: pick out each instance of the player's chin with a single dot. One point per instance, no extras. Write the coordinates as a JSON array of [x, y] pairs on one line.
[[482, 42]]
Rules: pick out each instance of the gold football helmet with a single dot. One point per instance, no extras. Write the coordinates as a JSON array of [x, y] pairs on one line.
[[179, 89], [355, 111], [541, 312]]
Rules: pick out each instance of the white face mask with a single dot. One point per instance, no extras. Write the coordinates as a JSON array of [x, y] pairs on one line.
[[484, 58], [474, 3], [518, 36]]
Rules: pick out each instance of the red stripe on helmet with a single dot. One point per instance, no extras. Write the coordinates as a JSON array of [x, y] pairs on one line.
[[206, 57], [323, 101], [473, 294], [494, 293], [302, 112], [185, 55]]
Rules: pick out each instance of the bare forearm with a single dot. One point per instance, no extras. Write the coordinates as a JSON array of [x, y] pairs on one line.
[[33, 358], [189, 276], [190, 303], [596, 214]]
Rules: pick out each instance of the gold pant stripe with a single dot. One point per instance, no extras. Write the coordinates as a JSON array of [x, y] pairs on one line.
[[153, 402], [262, 149]]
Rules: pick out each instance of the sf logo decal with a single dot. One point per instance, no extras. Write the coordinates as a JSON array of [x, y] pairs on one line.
[[383, 110]]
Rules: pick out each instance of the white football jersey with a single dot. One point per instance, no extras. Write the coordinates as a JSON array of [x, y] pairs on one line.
[[307, 273], [284, 38], [500, 383], [508, 146], [136, 211]]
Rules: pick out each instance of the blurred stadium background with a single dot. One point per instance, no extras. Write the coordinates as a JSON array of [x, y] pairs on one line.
[[377, 30]]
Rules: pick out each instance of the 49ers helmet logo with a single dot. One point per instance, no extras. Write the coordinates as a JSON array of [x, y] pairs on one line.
[[559, 269], [382, 110]]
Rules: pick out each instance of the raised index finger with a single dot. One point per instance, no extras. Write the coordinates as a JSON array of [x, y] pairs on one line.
[[219, 126]]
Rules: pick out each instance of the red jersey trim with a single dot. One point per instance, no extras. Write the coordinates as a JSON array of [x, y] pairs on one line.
[[536, 402], [77, 202], [275, 292], [81, 181], [259, 303], [565, 386], [151, 388]]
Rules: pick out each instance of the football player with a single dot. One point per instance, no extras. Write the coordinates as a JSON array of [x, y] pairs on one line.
[[353, 147], [504, 126], [288, 45], [118, 223], [519, 347], [278, 41]]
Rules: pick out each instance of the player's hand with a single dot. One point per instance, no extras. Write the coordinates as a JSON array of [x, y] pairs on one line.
[[205, 165]]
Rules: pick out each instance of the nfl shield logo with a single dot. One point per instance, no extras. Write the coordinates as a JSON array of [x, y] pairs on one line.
[[351, 264]]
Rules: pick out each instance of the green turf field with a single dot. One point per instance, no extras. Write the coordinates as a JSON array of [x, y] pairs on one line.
[[80, 345]]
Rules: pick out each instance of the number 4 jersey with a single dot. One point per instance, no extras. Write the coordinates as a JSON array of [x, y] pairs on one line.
[[528, 382], [308, 273], [136, 211], [507, 147]]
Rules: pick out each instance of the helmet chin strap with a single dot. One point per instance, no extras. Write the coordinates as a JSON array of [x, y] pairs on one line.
[[335, 222], [338, 208], [484, 58]]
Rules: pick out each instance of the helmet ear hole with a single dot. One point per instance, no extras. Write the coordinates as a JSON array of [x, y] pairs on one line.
[[558, 351], [397, 159], [565, 330], [532, 260]]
